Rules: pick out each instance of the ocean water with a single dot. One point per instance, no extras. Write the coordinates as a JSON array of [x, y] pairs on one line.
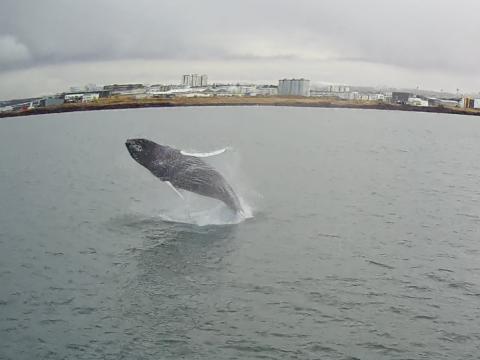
[[363, 241]]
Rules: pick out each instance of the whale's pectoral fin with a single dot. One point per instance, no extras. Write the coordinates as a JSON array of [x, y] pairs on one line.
[[206, 154], [174, 189]]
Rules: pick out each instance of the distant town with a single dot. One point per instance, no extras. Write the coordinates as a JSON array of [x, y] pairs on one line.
[[197, 86]]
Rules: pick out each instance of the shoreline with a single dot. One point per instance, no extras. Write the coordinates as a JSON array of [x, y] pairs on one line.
[[131, 103]]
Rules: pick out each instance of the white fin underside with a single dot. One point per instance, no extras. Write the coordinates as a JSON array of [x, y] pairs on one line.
[[174, 189], [206, 154]]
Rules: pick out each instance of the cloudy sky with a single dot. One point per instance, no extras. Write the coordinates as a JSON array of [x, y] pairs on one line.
[[47, 46]]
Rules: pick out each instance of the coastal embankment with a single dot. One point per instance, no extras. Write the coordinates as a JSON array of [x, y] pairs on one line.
[[124, 102]]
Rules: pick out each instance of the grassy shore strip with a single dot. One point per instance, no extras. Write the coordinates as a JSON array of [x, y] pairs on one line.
[[130, 103]]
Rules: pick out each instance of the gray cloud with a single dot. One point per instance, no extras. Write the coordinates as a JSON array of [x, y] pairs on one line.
[[12, 52], [420, 36]]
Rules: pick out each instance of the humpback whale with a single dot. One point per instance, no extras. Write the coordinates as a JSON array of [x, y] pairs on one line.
[[182, 170]]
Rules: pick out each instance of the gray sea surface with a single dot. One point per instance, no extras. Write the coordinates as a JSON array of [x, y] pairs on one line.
[[364, 241]]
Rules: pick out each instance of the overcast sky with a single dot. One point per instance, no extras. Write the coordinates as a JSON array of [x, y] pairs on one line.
[[49, 45]]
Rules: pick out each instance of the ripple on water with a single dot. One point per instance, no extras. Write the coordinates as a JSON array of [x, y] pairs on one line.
[[359, 252]]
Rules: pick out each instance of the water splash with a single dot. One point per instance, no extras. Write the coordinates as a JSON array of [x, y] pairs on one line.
[[200, 211], [218, 215], [193, 209]]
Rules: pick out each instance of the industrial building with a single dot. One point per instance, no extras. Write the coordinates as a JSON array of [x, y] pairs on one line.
[[51, 101], [401, 97], [121, 89], [85, 96], [338, 88], [267, 90], [194, 80], [415, 101], [294, 87], [470, 103], [443, 102]]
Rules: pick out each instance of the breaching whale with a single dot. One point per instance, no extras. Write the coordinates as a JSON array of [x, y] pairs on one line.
[[182, 170]]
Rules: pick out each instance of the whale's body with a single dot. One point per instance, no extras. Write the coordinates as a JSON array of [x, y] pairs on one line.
[[182, 171]]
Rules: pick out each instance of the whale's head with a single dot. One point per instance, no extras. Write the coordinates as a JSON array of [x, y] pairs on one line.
[[143, 151]]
